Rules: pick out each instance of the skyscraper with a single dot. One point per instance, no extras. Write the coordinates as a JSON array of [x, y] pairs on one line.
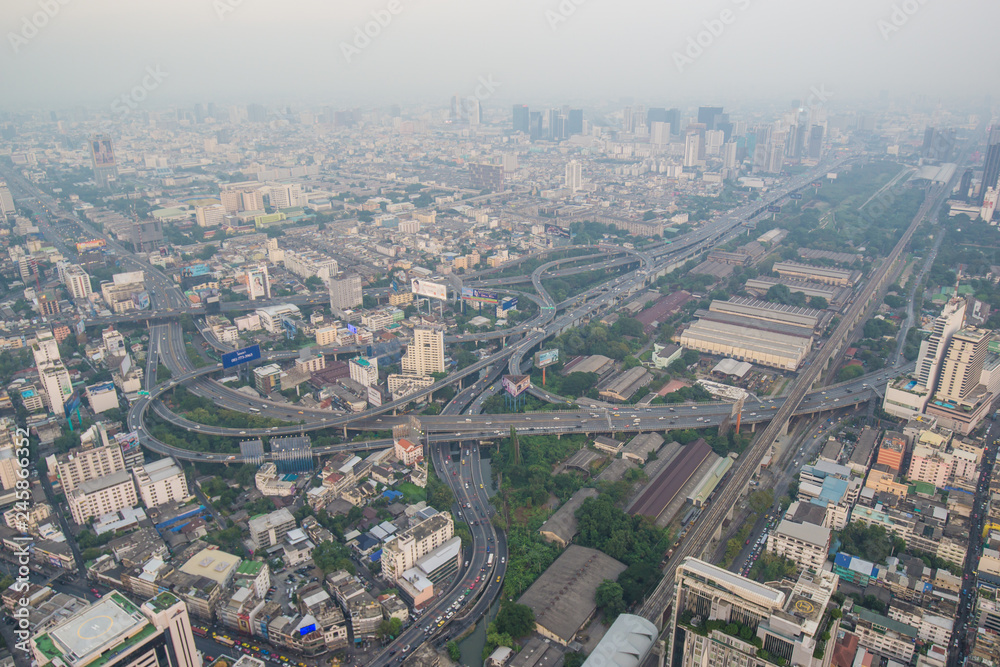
[[521, 118], [426, 354], [991, 165], [925, 150], [816, 142], [965, 187], [6, 201], [346, 293], [707, 116], [659, 134], [656, 115], [692, 146], [535, 125], [77, 282], [102, 155], [574, 122], [574, 176], [256, 113]]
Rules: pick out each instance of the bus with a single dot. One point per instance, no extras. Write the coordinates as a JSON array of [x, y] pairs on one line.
[[225, 641], [255, 410], [489, 561], [198, 631]]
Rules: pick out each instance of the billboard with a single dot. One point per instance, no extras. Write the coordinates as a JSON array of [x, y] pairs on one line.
[[247, 354], [515, 385], [129, 278], [545, 358], [104, 154], [258, 283], [480, 295], [351, 329], [129, 442], [141, 300], [428, 289], [195, 270], [774, 209], [72, 404], [509, 304], [85, 246], [306, 629], [795, 195], [374, 397]]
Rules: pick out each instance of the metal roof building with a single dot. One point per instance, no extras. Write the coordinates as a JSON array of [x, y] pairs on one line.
[[626, 643]]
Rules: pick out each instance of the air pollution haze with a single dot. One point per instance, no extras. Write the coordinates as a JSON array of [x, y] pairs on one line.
[[70, 52]]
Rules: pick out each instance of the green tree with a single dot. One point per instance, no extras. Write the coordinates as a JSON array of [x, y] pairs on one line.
[[454, 652], [515, 620], [332, 556], [574, 659], [849, 373], [208, 252], [610, 599]]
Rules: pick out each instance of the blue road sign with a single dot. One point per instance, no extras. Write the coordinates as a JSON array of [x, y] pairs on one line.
[[246, 355]]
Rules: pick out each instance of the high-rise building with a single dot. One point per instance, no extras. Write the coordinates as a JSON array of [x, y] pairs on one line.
[[269, 529], [989, 207], [364, 371], [932, 348], [692, 146], [656, 115], [346, 293], [57, 385], [473, 111], [574, 176], [83, 465], [102, 155], [729, 152], [816, 142], [146, 236], [256, 113], [925, 150], [963, 364], [785, 622], [77, 282], [574, 122], [6, 201], [521, 116], [413, 544], [991, 164], [114, 632], [101, 496], [659, 134], [535, 121], [161, 482], [45, 348], [965, 187], [426, 354], [708, 116]]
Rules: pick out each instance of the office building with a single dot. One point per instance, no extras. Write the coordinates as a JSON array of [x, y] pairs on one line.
[[309, 263], [77, 283], [816, 142], [574, 122], [45, 349], [258, 282], [659, 134], [521, 118], [933, 348], [161, 482], [783, 621], [574, 176], [426, 354], [692, 146], [963, 364], [267, 530], [113, 632], [413, 544], [101, 496], [345, 293], [102, 156]]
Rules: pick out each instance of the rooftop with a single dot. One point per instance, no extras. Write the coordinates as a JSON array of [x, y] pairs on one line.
[[93, 631]]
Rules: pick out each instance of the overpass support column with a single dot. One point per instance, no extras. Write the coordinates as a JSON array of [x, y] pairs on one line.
[[345, 432], [785, 426]]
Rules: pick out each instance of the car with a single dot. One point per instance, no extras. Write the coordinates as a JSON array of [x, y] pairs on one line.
[[94, 591]]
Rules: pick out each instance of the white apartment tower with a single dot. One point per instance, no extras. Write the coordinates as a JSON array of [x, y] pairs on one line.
[[426, 354], [346, 293], [932, 348], [77, 282], [574, 176], [963, 364]]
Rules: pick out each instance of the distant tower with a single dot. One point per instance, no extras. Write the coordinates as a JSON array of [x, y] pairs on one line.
[[102, 155], [991, 166], [574, 176], [521, 116]]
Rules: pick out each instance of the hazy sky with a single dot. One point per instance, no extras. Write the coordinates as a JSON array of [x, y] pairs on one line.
[[546, 51]]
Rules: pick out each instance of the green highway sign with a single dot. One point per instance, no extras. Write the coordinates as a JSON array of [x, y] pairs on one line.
[[143, 392]]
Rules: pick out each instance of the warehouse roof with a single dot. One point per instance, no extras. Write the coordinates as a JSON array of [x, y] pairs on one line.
[[625, 644], [563, 524], [563, 597]]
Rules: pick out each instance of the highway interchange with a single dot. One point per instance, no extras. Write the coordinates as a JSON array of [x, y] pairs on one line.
[[461, 425]]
